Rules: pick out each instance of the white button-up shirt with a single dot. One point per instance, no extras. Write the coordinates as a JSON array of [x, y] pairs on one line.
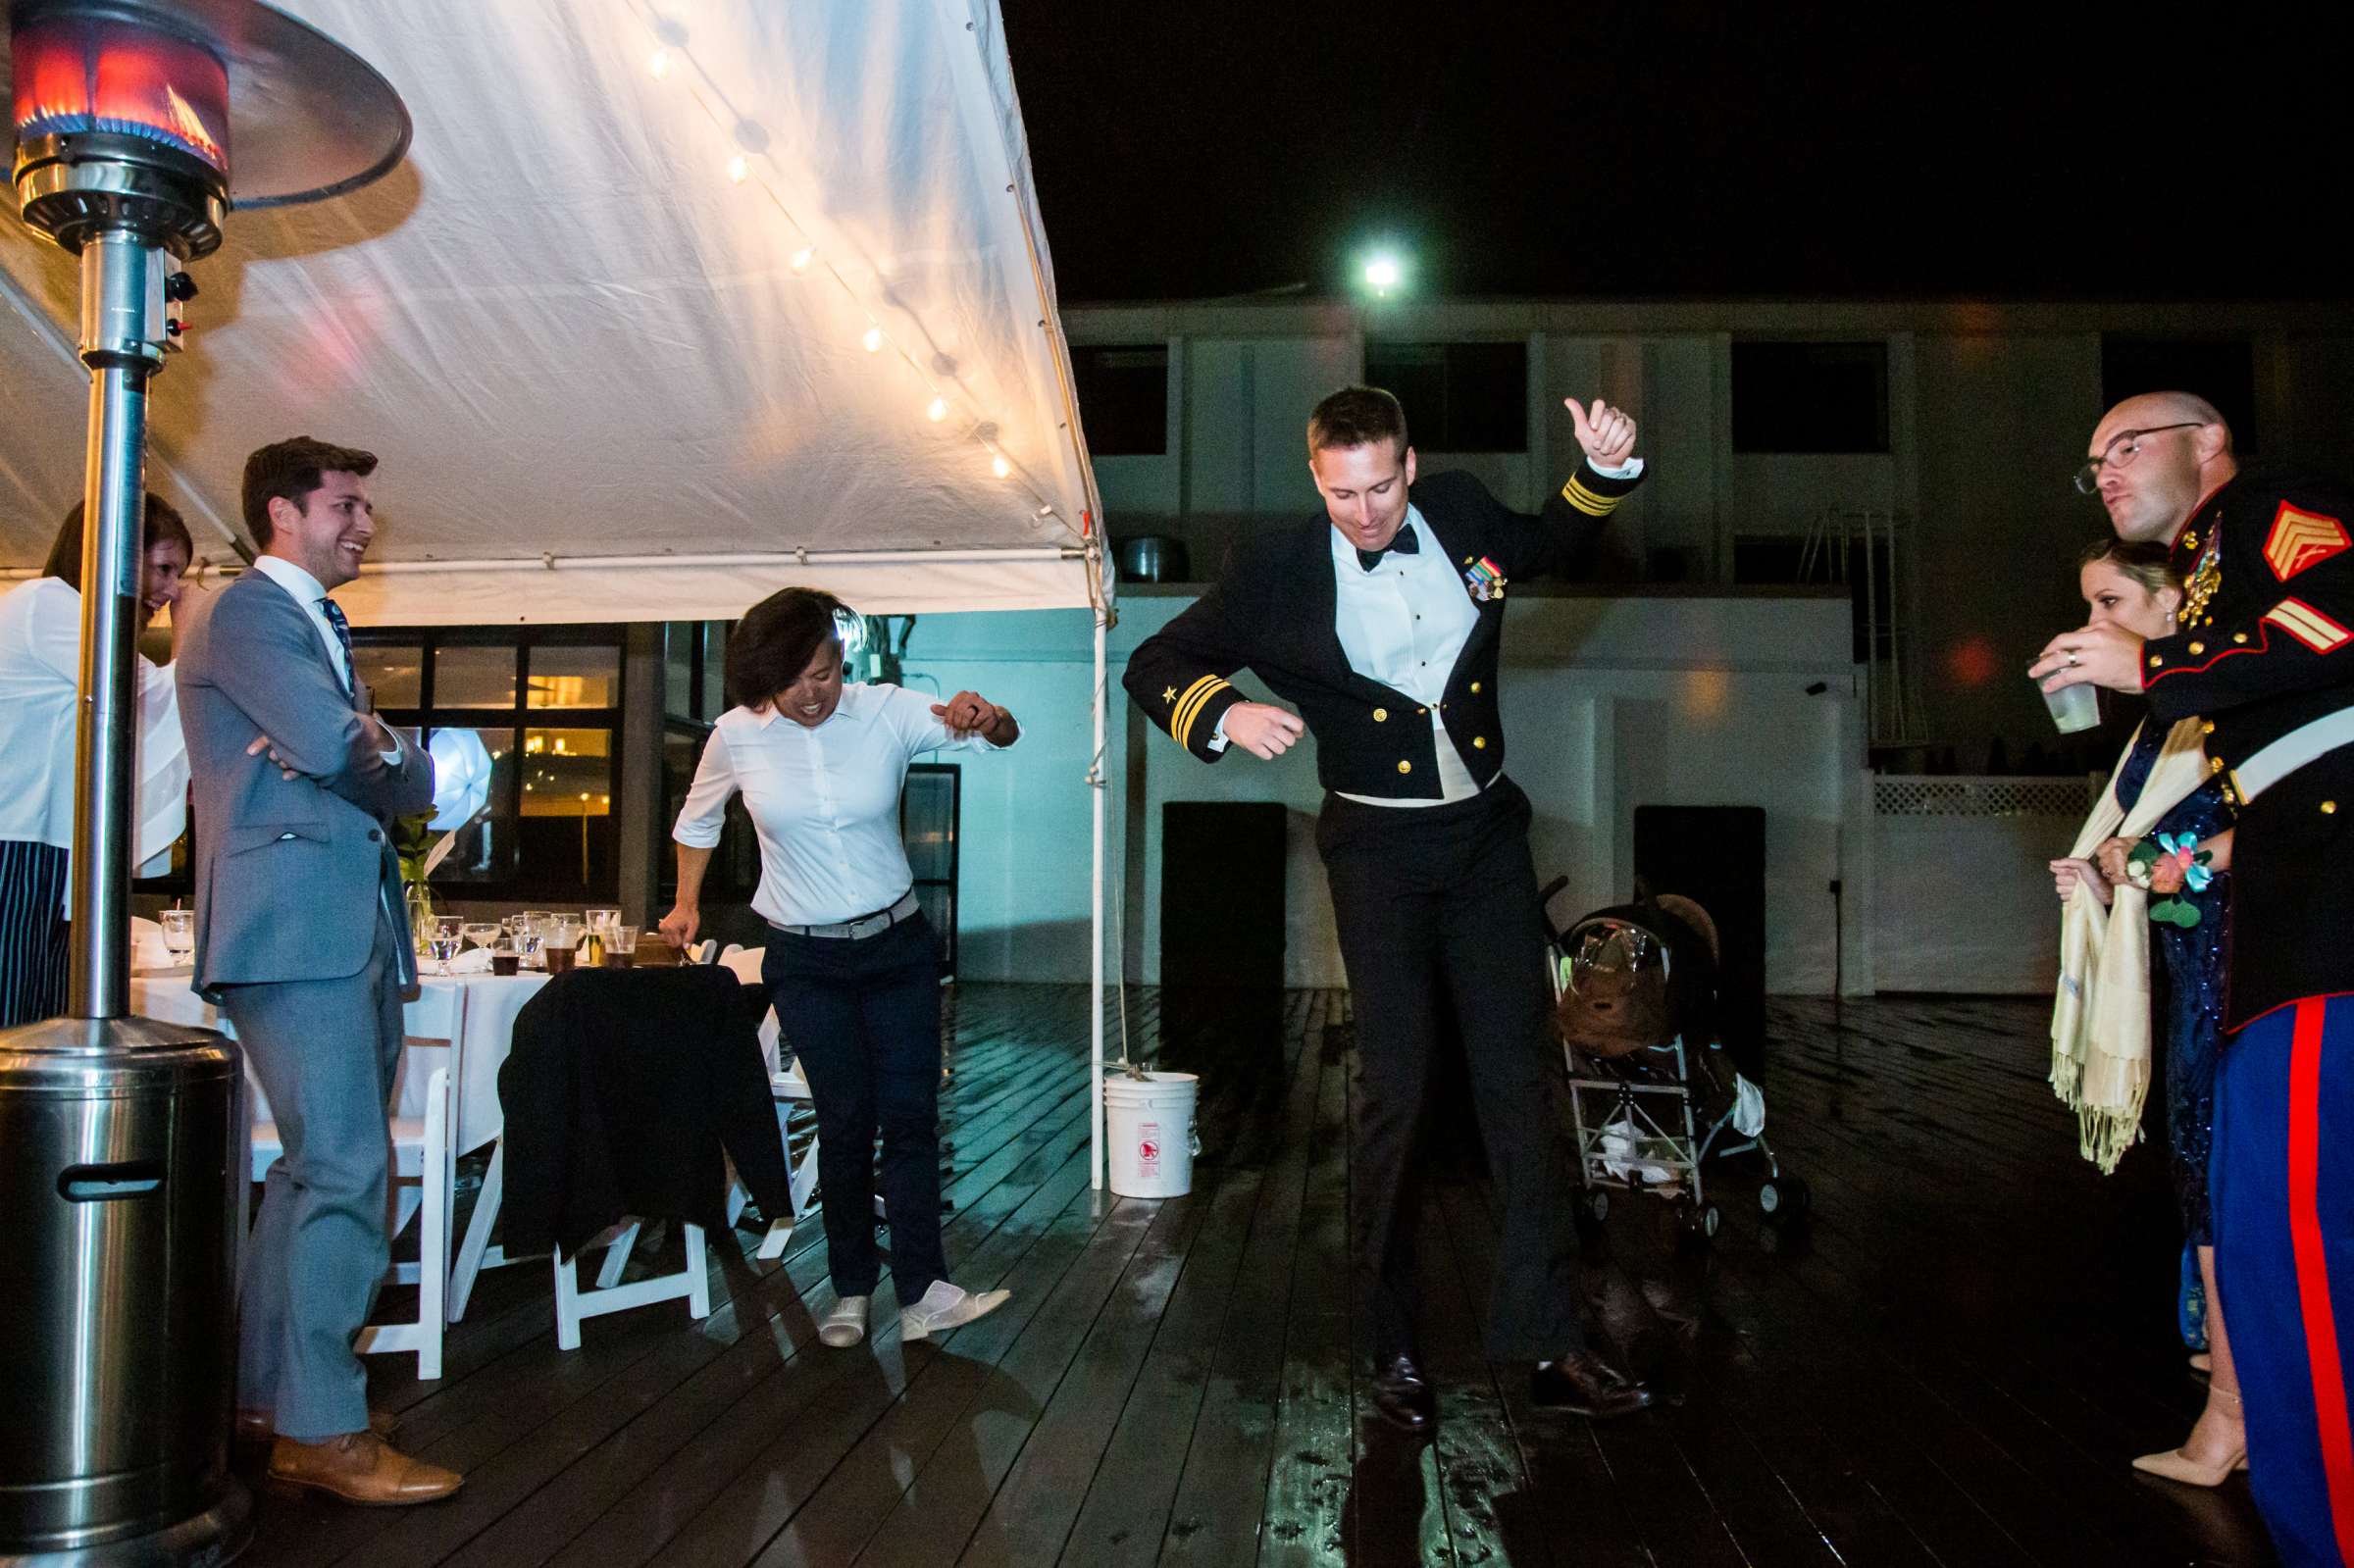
[[41, 703], [312, 596], [824, 802], [1404, 623]]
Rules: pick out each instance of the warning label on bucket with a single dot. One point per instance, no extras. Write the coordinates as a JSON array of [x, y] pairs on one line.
[[1147, 1146]]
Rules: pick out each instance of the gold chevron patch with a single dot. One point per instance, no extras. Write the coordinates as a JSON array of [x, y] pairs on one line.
[[1189, 707], [2302, 539], [2309, 625], [1588, 501]]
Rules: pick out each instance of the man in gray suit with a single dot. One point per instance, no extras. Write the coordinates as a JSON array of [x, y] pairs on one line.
[[301, 940]]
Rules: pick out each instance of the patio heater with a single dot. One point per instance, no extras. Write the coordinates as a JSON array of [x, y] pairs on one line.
[[139, 124]]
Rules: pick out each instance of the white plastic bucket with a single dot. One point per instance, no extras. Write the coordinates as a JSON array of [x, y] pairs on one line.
[[1149, 1133]]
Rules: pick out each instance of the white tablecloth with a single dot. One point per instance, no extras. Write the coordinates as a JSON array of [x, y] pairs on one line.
[[491, 1003]]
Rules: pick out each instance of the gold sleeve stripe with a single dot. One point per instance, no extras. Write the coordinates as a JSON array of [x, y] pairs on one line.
[[1586, 500], [1189, 707]]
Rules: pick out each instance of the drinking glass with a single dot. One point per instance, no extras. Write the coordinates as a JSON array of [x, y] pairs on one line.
[[446, 939], [557, 943], [480, 933], [179, 932], [621, 946], [603, 921], [2073, 708]]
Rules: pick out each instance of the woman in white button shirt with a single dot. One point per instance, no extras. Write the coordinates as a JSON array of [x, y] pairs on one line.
[[852, 965], [40, 676]]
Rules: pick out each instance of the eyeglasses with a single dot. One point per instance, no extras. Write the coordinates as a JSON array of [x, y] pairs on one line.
[[2123, 449]]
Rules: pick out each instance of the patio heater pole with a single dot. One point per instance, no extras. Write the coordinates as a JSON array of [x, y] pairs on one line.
[[122, 1158]]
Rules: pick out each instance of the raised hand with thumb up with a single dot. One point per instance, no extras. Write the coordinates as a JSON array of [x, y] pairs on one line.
[[1607, 433]]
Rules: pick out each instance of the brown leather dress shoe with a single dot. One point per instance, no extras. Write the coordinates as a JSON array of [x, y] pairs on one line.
[[1585, 1384], [360, 1467], [260, 1426]]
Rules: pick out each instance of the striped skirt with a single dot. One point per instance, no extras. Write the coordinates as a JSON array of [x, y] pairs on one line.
[[35, 957]]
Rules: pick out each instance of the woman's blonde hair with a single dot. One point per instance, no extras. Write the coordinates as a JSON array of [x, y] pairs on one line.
[[2145, 561]]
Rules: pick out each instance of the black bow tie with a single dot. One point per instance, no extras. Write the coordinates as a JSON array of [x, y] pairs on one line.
[[1403, 542]]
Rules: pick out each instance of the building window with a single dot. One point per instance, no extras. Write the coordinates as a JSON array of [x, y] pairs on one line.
[[2221, 369], [1810, 397], [1124, 399], [1459, 397], [538, 710], [694, 697]]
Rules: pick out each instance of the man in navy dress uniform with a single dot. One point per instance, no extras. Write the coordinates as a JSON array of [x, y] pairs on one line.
[[2263, 652], [1379, 620]]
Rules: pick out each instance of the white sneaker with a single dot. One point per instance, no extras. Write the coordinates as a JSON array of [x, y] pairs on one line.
[[845, 1325], [944, 1307]]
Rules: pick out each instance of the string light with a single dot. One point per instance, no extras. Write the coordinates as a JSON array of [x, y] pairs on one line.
[[738, 170]]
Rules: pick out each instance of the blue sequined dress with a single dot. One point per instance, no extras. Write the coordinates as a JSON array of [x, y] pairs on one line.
[[2186, 984]]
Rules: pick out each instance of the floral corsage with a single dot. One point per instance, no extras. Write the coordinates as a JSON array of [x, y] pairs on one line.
[[2165, 864]]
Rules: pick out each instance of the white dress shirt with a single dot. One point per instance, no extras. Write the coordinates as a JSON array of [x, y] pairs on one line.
[[312, 596], [41, 703], [1404, 623], [824, 802]]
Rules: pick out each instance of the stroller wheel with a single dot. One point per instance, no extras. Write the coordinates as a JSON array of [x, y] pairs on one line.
[[1701, 1221], [1783, 1200], [1596, 1206]]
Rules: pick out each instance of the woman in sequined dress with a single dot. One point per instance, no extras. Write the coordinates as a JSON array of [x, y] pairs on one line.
[[2131, 585]]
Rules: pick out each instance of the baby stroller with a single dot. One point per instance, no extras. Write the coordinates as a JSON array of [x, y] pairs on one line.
[[1653, 1097]]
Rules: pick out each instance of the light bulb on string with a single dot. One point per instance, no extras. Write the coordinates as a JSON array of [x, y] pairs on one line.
[[659, 64], [937, 410], [999, 466], [873, 340], [803, 258], [737, 169]]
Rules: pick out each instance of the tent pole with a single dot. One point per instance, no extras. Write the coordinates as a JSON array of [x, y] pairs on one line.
[[1095, 782]]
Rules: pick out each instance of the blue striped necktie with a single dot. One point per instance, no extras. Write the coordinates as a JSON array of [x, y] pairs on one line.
[[343, 630]]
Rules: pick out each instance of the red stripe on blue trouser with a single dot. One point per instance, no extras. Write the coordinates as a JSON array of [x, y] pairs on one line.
[[2282, 1179]]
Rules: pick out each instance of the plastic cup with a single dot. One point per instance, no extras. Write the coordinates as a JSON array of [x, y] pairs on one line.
[[2074, 708]]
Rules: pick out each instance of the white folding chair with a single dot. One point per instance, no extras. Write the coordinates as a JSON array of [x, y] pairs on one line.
[[574, 1304], [705, 951], [425, 1176]]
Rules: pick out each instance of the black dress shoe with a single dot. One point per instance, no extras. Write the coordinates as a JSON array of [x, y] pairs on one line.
[[1402, 1397], [1585, 1384]]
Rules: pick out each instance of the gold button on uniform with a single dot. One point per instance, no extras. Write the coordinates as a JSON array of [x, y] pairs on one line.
[[2198, 647], [2329, 808], [1475, 685], [1479, 742], [2207, 727], [2154, 661], [2239, 636], [1381, 715], [1403, 766], [2215, 765]]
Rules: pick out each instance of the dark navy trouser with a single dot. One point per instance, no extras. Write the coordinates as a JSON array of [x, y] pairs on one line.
[[2282, 1184]]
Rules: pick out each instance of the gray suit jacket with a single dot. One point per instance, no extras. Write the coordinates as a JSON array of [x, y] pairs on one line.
[[291, 873]]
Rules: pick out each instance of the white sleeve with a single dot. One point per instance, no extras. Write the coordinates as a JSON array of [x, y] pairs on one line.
[[162, 802], [921, 731], [705, 812]]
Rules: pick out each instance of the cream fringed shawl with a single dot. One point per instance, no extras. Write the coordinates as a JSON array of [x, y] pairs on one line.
[[2101, 1018]]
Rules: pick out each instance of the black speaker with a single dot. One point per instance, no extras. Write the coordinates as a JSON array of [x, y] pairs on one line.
[[1716, 856], [1221, 922]]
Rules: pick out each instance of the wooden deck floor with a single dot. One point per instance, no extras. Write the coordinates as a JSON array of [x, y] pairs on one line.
[[1950, 1363]]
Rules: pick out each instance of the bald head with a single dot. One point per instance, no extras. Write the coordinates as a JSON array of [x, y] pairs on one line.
[[2156, 457]]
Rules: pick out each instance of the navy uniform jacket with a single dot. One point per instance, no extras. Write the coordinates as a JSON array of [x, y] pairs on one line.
[[1274, 610], [2266, 645]]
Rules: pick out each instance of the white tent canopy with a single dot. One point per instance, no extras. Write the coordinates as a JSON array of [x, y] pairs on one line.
[[673, 303], [575, 331]]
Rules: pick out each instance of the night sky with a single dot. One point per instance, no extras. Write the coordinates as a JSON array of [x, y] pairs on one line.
[[1616, 150]]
